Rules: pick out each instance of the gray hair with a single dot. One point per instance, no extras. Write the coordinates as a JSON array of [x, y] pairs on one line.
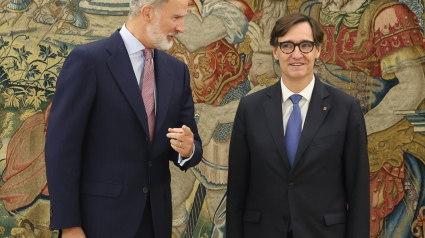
[[136, 6]]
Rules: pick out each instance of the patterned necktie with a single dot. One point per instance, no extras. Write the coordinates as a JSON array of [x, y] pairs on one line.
[[148, 90], [293, 129]]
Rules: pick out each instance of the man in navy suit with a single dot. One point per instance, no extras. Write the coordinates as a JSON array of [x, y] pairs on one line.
[[298, 163], [122, 110]]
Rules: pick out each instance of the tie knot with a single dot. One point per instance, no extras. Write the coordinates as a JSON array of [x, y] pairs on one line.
[[147, 53], [295, 98]]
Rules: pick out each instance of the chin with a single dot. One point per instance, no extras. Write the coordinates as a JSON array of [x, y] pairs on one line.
[[298, 76], [164, 45], [167, 47]]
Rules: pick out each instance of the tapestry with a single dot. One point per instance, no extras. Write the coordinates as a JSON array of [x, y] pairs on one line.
[[373, 50]]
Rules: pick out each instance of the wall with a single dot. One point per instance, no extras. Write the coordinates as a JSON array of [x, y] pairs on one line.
[[373, 51]]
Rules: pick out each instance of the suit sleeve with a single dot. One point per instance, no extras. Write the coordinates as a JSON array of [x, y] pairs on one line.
[[75, 93], [356, 174], [239, 173], [186, 117]]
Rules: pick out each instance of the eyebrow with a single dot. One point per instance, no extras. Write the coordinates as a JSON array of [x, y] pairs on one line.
[[298, 42], [180, 15]]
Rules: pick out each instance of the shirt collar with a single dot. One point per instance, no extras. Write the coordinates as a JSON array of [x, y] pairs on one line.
[[132, 44], [305, 93]]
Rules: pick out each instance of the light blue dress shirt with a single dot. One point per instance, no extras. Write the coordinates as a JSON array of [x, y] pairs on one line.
[[134, 48]]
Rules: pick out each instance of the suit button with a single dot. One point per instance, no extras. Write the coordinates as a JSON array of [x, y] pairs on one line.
[[285, 218], [290, 185], [150, 163], [145, 190]]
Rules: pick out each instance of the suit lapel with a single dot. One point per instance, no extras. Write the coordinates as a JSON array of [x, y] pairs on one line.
[[120, 66], [316, 114], [273, 112], [164, 85]]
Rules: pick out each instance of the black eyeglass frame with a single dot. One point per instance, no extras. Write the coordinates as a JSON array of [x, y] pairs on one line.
[[295, 45]]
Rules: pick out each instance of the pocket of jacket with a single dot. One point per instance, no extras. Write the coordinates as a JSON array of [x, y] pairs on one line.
[[335, 218], [101, 189], [252, 216]]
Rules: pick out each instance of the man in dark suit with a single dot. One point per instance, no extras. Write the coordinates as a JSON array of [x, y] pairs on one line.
[[109, 142], [298, 164]]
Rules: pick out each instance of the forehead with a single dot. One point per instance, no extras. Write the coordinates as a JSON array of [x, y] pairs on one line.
[[298, 32], [174, 7]]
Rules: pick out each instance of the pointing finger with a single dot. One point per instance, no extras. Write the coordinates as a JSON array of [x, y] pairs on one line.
[[186, 130]]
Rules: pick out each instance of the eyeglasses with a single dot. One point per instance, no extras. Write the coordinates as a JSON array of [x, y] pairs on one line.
[[288, 47]]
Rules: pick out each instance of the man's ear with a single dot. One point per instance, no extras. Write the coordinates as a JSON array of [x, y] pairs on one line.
[[319, 50], [148, 13], [275, 54]]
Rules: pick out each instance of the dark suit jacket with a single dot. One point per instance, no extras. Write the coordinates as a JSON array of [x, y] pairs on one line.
[[100, 162], [330, 170]]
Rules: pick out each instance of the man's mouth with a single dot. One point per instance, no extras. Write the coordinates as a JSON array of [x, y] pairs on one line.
[[171, 36], [296, 64]]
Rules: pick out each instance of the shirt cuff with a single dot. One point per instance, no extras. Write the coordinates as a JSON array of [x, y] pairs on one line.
[[182, 161]]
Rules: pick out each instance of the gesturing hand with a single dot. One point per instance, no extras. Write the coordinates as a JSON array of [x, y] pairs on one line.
[[181, 140]]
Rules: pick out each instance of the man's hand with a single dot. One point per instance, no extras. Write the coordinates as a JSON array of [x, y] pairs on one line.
[[73, 232], [181, 140]]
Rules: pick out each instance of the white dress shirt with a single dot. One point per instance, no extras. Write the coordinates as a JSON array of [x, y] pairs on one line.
[[287, 103], [134, 48]]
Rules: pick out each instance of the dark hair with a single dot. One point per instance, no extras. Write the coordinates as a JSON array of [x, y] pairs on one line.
[[285, 23]]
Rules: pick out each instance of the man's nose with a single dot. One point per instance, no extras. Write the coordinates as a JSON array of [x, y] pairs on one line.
[[180, 26], [297, 53]]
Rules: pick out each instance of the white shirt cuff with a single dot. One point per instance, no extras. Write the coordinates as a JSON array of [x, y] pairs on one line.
[[182, 161]]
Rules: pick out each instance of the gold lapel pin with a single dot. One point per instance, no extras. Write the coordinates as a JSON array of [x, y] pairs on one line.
[[325, 108]]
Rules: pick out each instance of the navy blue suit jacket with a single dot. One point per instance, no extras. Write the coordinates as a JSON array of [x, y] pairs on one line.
[[330, 171], [101, 165]]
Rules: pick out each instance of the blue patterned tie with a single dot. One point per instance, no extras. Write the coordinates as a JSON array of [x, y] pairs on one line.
[[293, 129]]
